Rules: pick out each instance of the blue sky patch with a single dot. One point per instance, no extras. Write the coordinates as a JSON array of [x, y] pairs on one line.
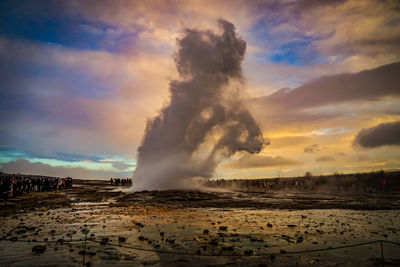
[[49, 26]]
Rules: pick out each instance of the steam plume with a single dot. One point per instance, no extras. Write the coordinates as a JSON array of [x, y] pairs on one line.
[[206, 120]]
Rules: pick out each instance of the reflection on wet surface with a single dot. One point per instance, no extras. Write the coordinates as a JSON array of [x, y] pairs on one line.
[[166, 222]]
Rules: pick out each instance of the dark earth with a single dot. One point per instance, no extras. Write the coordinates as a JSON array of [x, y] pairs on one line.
[[197, 228]]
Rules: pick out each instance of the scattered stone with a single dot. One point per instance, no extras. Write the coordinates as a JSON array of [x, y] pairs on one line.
[[39, 249], [213, 242], [205, 231], [141, 238], [291, 225], [129, 257], [104, 240], [139, 224], [121, 239], [248, 252], [223, 228], [269, 225]]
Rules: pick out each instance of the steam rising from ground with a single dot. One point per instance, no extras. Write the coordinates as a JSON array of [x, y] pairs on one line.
[[206, 120]]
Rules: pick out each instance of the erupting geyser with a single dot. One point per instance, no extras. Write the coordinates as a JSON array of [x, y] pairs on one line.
[[205, 120]]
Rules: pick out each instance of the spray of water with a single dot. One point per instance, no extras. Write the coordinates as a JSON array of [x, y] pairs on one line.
[[205, 120]]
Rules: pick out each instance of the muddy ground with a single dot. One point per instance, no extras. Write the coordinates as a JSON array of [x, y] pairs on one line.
[[197, 228]]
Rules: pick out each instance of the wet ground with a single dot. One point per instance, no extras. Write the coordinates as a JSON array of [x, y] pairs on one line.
[[197, 228]]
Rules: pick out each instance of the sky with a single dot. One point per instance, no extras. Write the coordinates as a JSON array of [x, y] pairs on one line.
[[79, 80]]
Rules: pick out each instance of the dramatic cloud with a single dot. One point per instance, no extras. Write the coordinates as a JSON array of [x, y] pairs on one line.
[[80, 78], [363, 86], [85, 98], [248, 161], [325, 159], [380, 135], [205, 120], [343, 100]]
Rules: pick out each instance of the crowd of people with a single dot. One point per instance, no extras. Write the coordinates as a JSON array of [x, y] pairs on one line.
[[121, 181], [12, 186]]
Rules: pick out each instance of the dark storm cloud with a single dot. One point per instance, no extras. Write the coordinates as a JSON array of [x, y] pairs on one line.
[[380, 135], [248, 161], [202, 105], [366, 85], [316, 102]]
